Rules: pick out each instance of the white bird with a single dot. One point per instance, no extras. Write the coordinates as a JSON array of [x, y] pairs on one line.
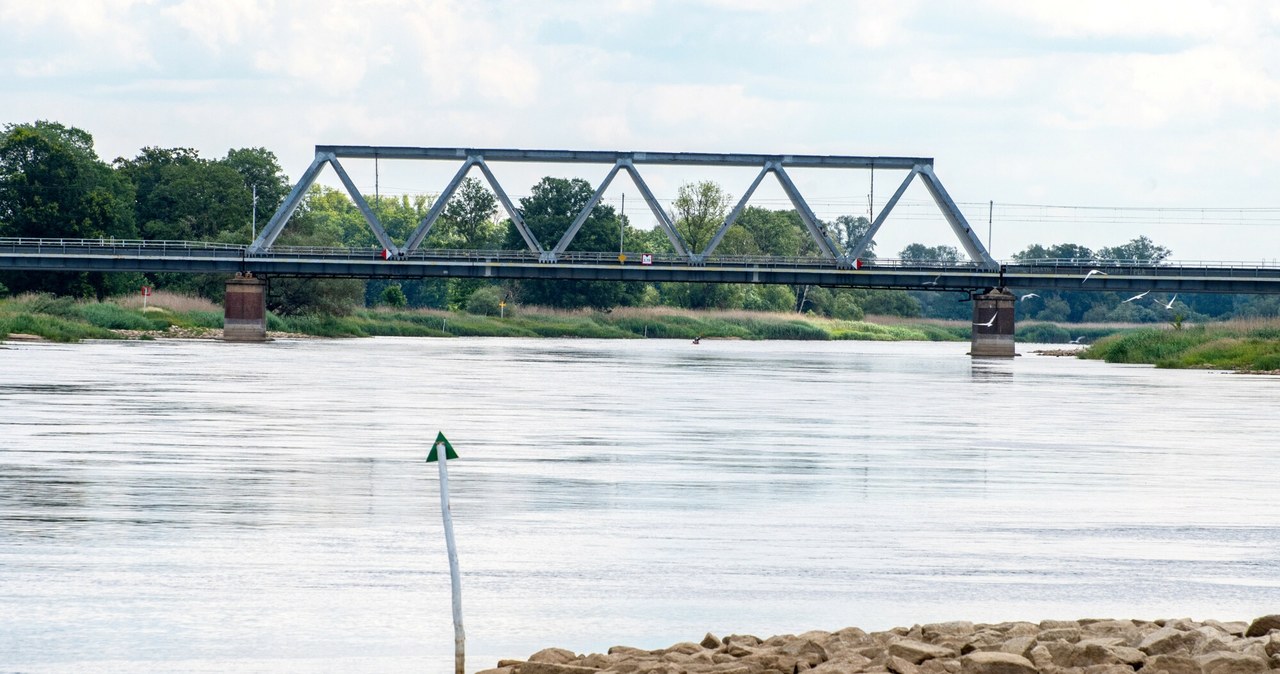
[[1091, 273], [990, 322], [1077, 340], [934, 282], [1136, 297], [1028, 295], [1170, 304]]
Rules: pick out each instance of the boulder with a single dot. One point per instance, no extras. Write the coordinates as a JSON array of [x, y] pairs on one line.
[[958, 628], [1066, 654], [710, 641], [1226, 662], [497, 670], [557, 656], [917, 652], [684, 648], [806, 650], [897, 665], [1170, 664], [1071, 634], [1263, 626], [535, 667], [992, 662], [1169, 640]]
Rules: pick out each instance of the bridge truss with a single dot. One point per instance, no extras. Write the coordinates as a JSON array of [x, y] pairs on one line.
[[629, 162]]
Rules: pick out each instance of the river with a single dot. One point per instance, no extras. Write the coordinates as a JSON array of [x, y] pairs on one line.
[[194, 506]]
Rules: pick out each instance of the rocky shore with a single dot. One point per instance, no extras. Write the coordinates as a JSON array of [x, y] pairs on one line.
[[1089, 646]]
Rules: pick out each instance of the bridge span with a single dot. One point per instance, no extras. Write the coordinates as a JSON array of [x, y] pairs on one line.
[[988, 282]]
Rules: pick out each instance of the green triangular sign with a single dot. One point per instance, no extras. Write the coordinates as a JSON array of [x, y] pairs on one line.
[[448, 448]]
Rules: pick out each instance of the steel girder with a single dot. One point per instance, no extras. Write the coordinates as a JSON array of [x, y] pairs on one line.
[[627, 161]]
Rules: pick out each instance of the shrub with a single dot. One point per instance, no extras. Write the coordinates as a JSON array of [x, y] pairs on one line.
[[485, 301]]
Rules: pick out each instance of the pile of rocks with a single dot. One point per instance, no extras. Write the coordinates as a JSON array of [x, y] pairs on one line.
[[1050, 647]]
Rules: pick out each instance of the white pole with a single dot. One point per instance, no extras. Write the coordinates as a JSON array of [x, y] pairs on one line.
[[459, 640]]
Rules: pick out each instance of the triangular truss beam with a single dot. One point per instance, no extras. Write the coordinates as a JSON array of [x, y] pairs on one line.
[[627, 161]]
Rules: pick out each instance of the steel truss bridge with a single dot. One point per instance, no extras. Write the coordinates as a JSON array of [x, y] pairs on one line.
[[833, 266]]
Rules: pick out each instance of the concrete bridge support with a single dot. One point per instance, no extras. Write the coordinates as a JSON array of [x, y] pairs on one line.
[[993, 325], [244, 317]]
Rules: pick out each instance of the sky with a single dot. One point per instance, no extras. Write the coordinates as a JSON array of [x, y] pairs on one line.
[[1090, 122]]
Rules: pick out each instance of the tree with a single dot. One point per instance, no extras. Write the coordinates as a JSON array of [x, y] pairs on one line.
[[52, 184], [847, 231], [183, 197], [1061, 251], [699, 210], [393, 296], [468, 217], [919, 253], [1140, 249], [259, 168], [548, 211]]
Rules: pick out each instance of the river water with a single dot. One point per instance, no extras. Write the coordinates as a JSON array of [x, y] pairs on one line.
[[182, 506]]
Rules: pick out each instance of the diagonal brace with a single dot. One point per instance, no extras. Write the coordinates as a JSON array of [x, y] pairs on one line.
[[861, 247], [586, 213], [268, 235], [369, 216], [734, 214], [516, 219], [806, 214], [664, 220], [424, 226]]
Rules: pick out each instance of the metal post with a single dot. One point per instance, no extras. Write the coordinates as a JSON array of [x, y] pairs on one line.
[[991, 205], [459, 639], [255, 215], [621, 223]]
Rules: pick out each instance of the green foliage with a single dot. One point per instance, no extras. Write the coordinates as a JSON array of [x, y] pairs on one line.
[[484, 301], [114, 317], [393, 296], [1042, 333], [699, 210], [299, 296], [918, 253], [847, 230]]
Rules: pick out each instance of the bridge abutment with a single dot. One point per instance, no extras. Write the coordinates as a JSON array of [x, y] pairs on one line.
[[993, 325], [244, 317]]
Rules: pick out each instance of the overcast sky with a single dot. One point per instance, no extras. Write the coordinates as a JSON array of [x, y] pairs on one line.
[[1168, 104]]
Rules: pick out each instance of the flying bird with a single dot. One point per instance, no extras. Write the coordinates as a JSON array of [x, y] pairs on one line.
[[1091, 273], [1170, 303], [934, 282], [1077, 340], [1136, 297], [1028, 295], [990, 322]]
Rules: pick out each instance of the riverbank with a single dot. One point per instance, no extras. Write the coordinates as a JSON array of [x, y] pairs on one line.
[[168, 316], [1244, 346], [1091, 646]]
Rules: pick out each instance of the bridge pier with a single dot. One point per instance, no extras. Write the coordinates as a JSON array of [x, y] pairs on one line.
[[244, 317], [993, 325]]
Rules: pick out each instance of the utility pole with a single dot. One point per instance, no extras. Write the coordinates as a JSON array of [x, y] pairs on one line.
[[991, 205], [622, 223], [254, 236]]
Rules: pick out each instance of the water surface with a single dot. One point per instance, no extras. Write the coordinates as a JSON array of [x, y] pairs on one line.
[[179, 506]]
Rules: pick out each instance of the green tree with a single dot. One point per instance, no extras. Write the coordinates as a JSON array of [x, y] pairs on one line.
[[52, 184], [699, 210], [183, 197], [1140, 249], [548, 211], [847, 231], [918, 253], [393, 296], [468, 219]]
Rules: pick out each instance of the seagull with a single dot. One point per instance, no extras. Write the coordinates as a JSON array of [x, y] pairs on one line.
[[1028, 295], [1170, 304], [990, 322], [934, 282], [1077, 340], [1091, 273], [1136, 297]]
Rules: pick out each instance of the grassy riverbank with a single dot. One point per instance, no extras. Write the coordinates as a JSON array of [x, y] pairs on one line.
[[170, 315], [1234, 345]]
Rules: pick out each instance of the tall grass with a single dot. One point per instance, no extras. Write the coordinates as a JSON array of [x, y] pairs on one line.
[[1234, 345]]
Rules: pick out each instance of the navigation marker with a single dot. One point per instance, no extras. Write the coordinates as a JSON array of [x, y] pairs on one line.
[[459, 639]]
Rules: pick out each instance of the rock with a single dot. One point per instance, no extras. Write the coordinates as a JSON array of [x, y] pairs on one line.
[[955, 628], [684, 647], [1127, 655], [710, 641], [536, 667], [497, 670], [744, 639], [628, 651], [916, 652], [1168, 640], [806, 650], [1170, 664], [1066, 654], [1234, 628], [991, 662], [1018, 646], [897, 665], [1226, 662], [1071, 634], [1058, 624], [557, 656], [736, 649], [1262, 626], [596, 660]]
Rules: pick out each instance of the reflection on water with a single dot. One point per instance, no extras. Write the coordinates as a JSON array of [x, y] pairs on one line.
[[204, 507]]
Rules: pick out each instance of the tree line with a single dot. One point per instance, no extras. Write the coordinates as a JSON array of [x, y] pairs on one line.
[[53, 184]]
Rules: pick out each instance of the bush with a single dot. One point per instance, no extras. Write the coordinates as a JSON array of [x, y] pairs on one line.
[[485, 301], [393, 296]]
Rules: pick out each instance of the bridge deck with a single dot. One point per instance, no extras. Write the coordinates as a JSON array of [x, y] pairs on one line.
[[194, 257]]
